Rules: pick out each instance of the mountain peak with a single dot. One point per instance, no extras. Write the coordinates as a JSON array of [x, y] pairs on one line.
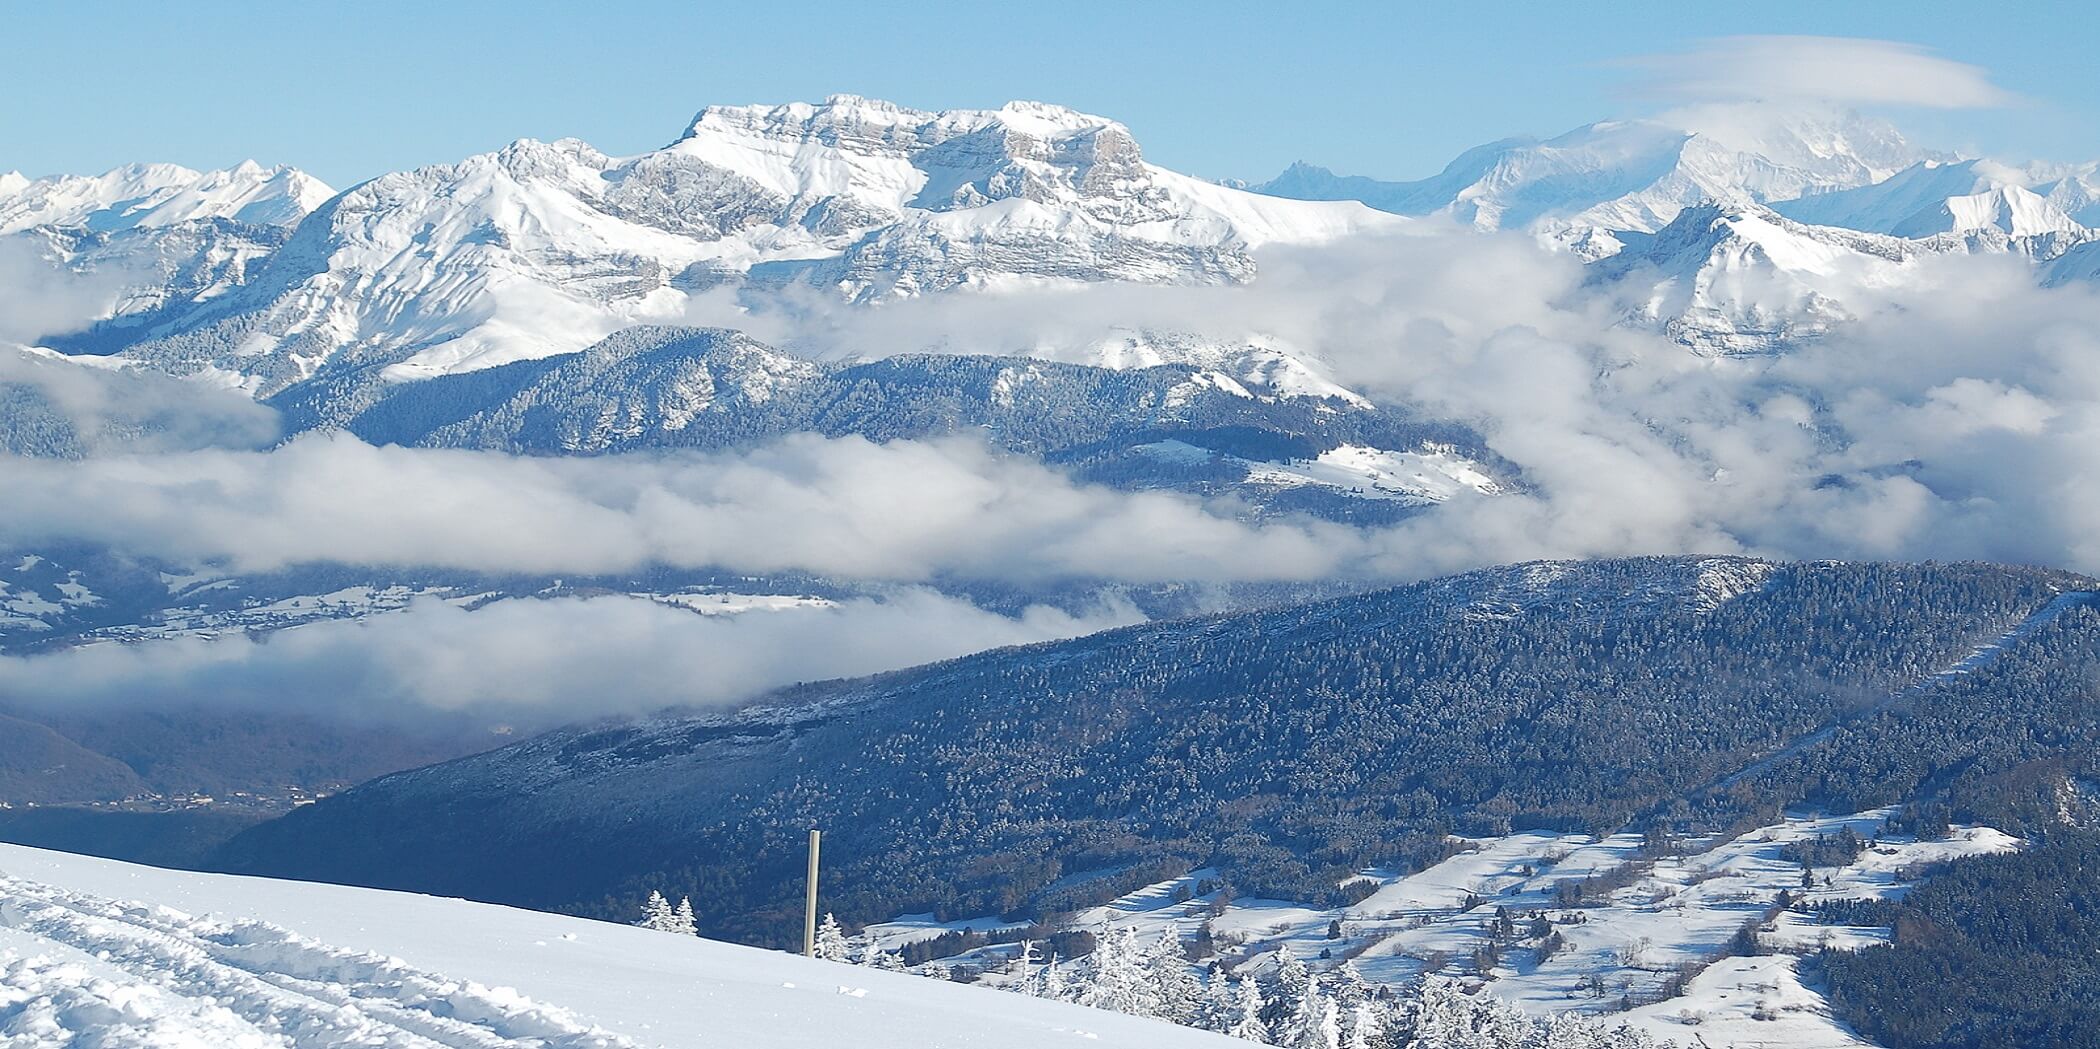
[[859, 122], [1634, 174], [150, 195]]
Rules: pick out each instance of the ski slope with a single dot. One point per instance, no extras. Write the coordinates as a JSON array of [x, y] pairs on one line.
[[100, 953]]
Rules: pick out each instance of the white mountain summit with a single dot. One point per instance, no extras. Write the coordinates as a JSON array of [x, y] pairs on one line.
[[159, 195], [1930, 198], [544, 248], [1634, 174]]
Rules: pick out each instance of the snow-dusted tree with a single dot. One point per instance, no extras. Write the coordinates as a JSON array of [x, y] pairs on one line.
[[1023, 971], [657, 913], [1347, 986], [1329, 1034], [1313, 1023], [1291, 977], [831, 942], [1214, 1011], [1246, 1020], [1051, 983], [1366, 1029], [1569, 1031], [1449, 1018], [1122, 979], [1180, 996], [682, 921]]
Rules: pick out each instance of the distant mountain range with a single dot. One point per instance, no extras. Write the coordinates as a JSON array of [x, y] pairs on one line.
[[1742, 223], [262, 280]]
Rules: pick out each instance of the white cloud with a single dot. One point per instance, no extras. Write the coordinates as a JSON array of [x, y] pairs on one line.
[[905, 511], [533, 663], [59, 406], [38, 298], [1840, 70]]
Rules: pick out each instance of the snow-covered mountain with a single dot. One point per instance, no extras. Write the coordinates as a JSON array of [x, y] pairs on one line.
[[1745, 279], [543, 248], [151, 195], [1261, 365], [1932, 198], [1633, 174], [1730, 280], [153, 239]]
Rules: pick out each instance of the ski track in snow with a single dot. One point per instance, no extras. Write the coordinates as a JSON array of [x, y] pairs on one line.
[[153, 976]]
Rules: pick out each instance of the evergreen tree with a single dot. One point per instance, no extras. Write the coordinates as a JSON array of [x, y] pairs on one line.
[[1291, 976], [682, 921], [1216, 1011], [1348, 987], [1569, 1031], [657, 913], [1308, 1026], [1122, 979], [1329, 1033], [1246, 1020], [1365, 1029], [1449, 1018], [1052, 984], [831, 941], [1180, 996]]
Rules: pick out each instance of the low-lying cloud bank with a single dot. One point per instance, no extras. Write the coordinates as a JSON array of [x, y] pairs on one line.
[[905, 511], [533, 663], [1956, 417]]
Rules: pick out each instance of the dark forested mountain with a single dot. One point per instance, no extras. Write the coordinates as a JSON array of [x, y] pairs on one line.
[[1286, 747], [1172, 425]]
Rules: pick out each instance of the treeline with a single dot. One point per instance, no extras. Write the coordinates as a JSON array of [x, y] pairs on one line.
[[2002, 947]]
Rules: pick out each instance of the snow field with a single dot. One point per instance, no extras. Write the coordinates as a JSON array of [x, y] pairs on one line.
[[248, 963]]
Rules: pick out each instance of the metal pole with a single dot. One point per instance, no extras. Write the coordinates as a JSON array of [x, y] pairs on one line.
[[809, 910]]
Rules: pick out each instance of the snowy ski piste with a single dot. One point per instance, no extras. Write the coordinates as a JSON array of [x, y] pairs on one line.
[[100, 953]]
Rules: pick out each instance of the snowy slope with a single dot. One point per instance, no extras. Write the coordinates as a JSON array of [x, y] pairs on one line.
[[1676, 911], [543, 248], [2009, 209], [2080, 263], [140, 956]]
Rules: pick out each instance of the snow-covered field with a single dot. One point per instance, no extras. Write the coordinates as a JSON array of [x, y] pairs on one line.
[[106, 954], [1674, 916]]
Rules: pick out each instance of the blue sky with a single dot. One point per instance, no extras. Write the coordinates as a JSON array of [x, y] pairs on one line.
[[349, 90]]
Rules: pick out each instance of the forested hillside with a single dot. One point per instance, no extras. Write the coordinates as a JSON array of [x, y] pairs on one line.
[[1287, 748]]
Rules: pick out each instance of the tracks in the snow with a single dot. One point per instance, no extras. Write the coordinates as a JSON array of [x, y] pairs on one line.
[[289, 990]]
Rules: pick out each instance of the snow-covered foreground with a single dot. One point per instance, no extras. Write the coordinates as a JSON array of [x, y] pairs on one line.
[[99, 953]]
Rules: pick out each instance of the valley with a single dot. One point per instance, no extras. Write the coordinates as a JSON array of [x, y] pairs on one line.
[[1621, 587]]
